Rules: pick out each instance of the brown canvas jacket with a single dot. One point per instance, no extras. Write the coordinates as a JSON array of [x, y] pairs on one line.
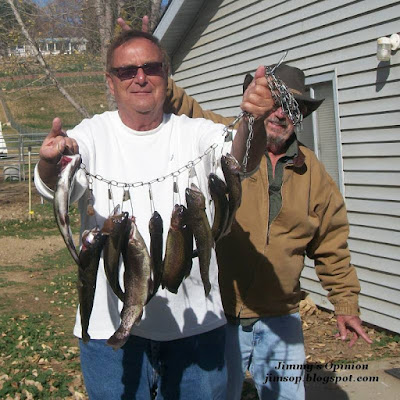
[[260, 268]]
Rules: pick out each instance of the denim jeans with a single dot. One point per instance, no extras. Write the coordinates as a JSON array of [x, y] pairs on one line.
[[272, 350], [189, 368]]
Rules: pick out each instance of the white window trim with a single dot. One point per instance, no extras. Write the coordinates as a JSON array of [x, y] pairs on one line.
[[326, 77]]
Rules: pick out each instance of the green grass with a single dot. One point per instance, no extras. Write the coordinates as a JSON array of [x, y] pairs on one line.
[[38, 356], [32, 351], [37, 109], [63, 289], [56, 260], [385, 339], [28, 229], [11, 268], [12, 67], [43, 224], [33, 85]]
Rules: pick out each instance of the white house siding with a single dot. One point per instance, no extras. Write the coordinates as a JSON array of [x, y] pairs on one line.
[[231, 38]]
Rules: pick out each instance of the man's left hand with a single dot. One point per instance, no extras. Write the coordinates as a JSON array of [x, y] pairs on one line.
[[351, 324], [257, 98]]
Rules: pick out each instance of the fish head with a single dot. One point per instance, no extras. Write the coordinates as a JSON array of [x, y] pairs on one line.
[[230, 162], [178, 216], [114, 222], [89, 237], [155, 222], [195, 197], [120, 218], [116, 210], [216, 184], [73, 160]]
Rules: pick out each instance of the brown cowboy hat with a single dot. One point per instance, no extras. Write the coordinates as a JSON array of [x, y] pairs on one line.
[[294, 79]]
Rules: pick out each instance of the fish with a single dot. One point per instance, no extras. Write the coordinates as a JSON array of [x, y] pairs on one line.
[[231, 170], [178, 252], [115, 226], [138, 284], [69, 166], [156, 248], [198, 221], [92, 245], [218, 191]]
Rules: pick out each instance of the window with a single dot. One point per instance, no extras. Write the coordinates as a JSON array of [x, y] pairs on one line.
[[321, 129]]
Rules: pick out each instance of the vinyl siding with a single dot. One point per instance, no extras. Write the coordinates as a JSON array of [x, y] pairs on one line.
[[228, 39]]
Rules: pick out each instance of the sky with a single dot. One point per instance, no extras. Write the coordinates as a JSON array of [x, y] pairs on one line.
[[41, 2]]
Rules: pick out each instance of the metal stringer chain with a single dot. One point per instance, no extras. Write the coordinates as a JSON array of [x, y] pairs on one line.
[[282, 95], [173, 174], [250, 124]]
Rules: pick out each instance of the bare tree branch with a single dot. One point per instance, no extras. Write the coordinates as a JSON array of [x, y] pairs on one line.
[[155, 13], [106, 23], [43, 63]]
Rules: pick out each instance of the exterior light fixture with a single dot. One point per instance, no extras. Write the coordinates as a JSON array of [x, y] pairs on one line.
[[386, 45]]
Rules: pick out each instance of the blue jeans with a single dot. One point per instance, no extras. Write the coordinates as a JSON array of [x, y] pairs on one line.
[[189, 368], [265, 349]]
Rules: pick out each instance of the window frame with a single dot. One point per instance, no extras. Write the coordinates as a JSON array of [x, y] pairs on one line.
[[330, 76]]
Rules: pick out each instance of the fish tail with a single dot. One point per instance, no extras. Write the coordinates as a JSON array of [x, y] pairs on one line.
[[117, 340], [207, 287], [172, 288], [129, 316], [85, 337]]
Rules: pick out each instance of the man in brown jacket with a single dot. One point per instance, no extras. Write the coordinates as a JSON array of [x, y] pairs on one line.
[[290, 208]]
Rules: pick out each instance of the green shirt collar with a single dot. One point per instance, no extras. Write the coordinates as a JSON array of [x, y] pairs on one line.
[[293, 149]]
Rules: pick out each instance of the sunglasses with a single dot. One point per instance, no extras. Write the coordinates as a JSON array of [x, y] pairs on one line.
[[129, 72]]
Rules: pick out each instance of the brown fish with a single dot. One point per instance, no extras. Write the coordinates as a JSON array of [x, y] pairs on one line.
[[115, 226], [92, 245], [198, 221], [218, 191], [138, 285], [178, 253], [231, 170], [156, 248]]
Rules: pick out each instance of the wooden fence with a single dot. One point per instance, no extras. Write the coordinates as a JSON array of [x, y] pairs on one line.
[[16, 151]]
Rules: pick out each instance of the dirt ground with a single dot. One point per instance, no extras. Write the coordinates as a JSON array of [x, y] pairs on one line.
[[319, 325]]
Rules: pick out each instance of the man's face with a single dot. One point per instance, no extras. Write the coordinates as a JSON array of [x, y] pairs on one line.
[[143, 94], [278, 126]]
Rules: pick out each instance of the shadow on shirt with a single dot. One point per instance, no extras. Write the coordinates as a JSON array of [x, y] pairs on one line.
[[151, 365]]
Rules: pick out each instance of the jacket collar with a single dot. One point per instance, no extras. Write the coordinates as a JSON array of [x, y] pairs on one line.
[[294, 155]]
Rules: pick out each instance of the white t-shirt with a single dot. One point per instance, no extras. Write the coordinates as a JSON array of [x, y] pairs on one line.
[[111, 150]]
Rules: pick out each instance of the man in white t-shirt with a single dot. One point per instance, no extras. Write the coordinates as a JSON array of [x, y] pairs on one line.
[[178, 346]]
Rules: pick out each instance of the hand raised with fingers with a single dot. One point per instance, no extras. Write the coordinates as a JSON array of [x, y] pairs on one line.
[[257, 98], [56, 144], [351, 324], [125, 27]]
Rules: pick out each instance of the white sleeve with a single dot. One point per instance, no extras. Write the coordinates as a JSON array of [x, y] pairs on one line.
[[80, 184]]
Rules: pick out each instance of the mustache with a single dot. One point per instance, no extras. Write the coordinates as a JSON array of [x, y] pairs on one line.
[[277, 121]]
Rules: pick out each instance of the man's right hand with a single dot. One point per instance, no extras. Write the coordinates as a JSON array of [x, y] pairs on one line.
[[56, 144]]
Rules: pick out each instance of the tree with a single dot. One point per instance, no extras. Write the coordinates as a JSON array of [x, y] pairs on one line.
[[154, 14], [39, 57], [10, 33], [61, 18]]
